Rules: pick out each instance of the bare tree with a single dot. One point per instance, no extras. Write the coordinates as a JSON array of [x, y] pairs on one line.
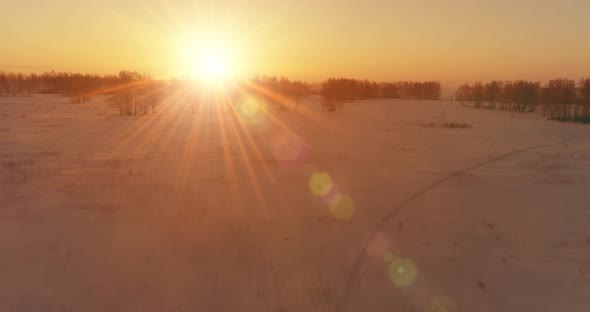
[[559, 96], [584, 99]]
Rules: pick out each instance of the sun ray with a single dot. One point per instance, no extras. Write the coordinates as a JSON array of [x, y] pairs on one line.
[[267, 111], [251, 173], [227, 153], [155, 131], [146, 122], [206, 57], [308, 114], [186, 161], [161, 131], [254, 147], [175, 123]]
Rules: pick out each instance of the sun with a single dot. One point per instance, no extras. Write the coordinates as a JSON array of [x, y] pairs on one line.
[[205, 57], [212, 65]]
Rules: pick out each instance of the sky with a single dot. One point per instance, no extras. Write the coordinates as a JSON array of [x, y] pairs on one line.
[[385, 40]]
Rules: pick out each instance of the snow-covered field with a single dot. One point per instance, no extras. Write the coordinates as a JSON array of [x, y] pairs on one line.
[[376, 208]]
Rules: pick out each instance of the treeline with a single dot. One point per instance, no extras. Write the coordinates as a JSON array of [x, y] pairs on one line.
[[69, 84], [563, 100], [354, 89], [282, 92], [519, 96], [560, 99], [337, 91]]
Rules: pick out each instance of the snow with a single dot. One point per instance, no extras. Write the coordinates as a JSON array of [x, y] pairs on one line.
[[218, 210]]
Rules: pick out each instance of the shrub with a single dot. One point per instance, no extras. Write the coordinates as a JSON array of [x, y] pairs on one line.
[[331, 105], [137, 100], [80, 99], [455, 125], [124, 102]]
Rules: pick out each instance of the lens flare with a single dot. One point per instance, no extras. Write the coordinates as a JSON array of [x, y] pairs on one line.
[[377, 245], [250, 110], [289, 149], [442, 304], [342, 207], [388, 256], [402, 272], [320, 183]]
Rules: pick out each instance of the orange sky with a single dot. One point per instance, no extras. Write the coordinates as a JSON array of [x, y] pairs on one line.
[[451, 41]]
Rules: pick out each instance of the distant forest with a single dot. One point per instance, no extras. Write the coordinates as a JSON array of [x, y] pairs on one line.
[[69, 84], [353, 89], [18, 84], [336, 92], [271, 89], [559, 99]]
